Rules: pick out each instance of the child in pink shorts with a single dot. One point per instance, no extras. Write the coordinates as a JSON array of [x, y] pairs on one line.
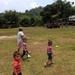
[[25, 49]]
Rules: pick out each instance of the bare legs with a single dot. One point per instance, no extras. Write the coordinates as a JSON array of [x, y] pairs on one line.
[[48, 62]]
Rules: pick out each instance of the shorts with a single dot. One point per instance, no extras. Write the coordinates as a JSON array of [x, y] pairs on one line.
[[49, 56], [18, 74], [20, 45]]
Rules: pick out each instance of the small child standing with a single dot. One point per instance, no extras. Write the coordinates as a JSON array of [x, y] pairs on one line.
[[17, 64], [49, 53], [25, 48]]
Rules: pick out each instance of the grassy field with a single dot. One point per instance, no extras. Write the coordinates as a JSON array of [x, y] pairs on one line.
[[64, 54]]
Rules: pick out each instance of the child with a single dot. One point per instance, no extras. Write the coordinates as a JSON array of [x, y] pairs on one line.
[[17, 64], [49, 52], [25, 49]]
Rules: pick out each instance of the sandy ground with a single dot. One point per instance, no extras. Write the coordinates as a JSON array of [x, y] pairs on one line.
[[13, 37], [8, 37]]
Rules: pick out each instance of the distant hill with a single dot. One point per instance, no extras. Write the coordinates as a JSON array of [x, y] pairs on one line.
[[35, 11]]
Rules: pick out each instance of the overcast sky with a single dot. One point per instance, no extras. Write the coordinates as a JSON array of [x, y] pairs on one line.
[[22, 5]]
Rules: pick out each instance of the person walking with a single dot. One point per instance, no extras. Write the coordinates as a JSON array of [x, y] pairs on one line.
[[21, 35]]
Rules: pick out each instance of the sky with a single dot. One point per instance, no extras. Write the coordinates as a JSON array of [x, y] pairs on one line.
[[22, 5]]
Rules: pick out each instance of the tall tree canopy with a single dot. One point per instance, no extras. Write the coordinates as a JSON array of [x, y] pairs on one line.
[[38, 16], [59, 9], [11, 16]]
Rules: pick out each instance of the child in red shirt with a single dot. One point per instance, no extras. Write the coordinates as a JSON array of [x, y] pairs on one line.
[[17, 64], [49, 52]]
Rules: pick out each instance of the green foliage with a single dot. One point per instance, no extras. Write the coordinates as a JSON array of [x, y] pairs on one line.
[[59, 9], [2, 22], [32, 21], [39, 15], [36, 11], [11, 16], [38, 20], [25, 22]]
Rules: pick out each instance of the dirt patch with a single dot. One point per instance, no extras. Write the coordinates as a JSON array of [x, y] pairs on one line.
[[66, 40], [35, 43], [8, 37]]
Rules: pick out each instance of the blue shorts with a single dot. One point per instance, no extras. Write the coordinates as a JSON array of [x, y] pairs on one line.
[[49, 56]]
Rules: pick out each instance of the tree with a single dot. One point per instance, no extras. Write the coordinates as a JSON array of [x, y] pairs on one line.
[[12, 18], [38, 20], [25, 22], [36, 11], [2, 22], [47, 13], [59, 9], [32, 21]]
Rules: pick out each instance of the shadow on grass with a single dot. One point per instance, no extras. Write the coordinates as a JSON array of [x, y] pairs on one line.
[[48, 65], [26, 59]]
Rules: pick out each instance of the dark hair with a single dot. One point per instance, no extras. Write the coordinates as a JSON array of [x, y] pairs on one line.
[[16, 53], [49, 42], [20, 28]]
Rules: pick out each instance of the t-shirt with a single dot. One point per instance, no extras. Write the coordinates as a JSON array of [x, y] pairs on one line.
[[25, 46], [49, 49], [17, 66], [20, 33]]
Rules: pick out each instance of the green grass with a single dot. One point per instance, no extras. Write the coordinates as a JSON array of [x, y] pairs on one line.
[[64, 55]]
